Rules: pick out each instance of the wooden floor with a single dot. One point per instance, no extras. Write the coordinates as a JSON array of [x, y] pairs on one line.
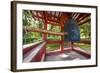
[[68, 55]]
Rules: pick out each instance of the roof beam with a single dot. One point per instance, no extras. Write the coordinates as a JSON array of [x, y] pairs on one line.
[[85, 20]]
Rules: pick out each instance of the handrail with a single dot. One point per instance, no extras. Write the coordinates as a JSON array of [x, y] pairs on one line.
[[32, 29], [31, 54], [82, 52], [28, 47], [31, 44], [54, 41]]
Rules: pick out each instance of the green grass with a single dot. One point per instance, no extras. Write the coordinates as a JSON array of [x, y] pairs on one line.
[[52, 47], [86, 47]]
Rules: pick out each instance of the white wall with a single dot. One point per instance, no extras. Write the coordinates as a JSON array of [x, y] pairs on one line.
[[5, 37]]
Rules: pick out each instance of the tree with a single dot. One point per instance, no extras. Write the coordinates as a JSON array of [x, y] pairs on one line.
[[29, 37], [85, 30]]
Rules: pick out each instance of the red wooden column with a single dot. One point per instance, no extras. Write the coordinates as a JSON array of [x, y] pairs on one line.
[[72, 45], [62, 41], [45, 25], [62, 19], [44, 36]]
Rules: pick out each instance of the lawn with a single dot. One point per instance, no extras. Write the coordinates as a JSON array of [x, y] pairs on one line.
[[86, 47], [53, 47]]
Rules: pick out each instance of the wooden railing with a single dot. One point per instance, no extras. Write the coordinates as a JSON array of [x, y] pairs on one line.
[[82, 52], [34, 53], [54, 41], [32, 29], [85, 41]]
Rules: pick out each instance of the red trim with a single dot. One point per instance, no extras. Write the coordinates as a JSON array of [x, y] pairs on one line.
[[58, 52], [62, 41], [54, 24], [52, 41], [38, 57], [82, 52], [27, 49]]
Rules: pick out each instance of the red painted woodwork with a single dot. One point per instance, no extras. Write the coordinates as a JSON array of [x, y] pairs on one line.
[[36, 53], [38, 57], [52, 42], [45, 25], [55, 19], [88, 20], [85, 41], [72, 45], [62, 42], [54, 24], [82, 52], [25, 50], [59, 18], [82, 18], [58, 52], [44, 31]]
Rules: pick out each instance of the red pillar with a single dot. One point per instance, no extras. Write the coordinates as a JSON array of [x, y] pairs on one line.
[[44, 36], [62, 41], [45, 25], [72, 45]]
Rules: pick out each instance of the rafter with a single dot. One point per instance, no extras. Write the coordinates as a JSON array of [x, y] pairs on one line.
[[84, 16], [85, 20]]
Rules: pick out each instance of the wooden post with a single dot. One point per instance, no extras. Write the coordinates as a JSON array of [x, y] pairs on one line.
[[72, 45], [62, 41], [44, 36], [63, 17], [45, 25]]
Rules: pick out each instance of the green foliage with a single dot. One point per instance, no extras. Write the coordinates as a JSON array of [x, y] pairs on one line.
[[53, 29], [86, 47], [53, 37], [85, 30], [52, 47], [30, 37], [26, 18]]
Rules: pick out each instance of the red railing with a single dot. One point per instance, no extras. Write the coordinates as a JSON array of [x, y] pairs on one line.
[[35, 52]]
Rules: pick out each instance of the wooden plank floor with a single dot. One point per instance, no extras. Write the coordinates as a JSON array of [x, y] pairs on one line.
[[69, 55]]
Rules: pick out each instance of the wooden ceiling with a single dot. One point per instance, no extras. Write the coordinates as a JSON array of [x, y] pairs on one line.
[[59, 18]]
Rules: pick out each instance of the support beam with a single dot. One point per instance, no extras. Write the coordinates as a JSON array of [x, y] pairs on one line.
[[32, 29], [45, 25], [55, 24], [85, 41], [72, 45], [85, 20], [83, 17], [62, 41], [53, 42], [48, 19]]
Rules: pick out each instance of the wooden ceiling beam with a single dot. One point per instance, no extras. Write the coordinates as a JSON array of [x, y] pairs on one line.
[[88, 20], [74, 15], [77, 16], [50, 15], [48, 19], [85, 20], [55, 24], [83, 17]]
